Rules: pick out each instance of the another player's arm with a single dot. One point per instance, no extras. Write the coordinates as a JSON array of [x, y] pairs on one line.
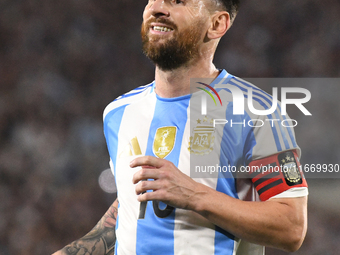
[[277, 222], [100, 240]]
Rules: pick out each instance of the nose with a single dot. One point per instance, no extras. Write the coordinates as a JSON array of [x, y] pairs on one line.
[[159, 8]]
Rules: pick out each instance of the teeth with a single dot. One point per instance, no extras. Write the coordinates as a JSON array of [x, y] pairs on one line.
[[161, 29]]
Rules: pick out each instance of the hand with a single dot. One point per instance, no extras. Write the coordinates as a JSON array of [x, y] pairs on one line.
[[169, 184]]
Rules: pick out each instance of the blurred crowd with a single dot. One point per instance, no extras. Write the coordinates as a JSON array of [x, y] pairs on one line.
[[63, 61]]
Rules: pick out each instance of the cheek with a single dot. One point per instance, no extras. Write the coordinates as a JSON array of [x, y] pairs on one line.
[[146, 12], [144, 15]]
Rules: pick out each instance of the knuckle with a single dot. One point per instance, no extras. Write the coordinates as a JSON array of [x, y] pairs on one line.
[[164, 174], [146, 196], [162, 193], [147, 159], [137, 190], [135, 178], [162, 185], [143, 173], [169, 164], [144, 185], [162, 196]]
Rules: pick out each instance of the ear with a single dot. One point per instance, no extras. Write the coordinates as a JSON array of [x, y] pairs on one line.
[[220, 23]]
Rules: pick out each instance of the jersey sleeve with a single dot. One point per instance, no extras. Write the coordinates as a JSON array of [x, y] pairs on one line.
[[278, 176], [270, 148]]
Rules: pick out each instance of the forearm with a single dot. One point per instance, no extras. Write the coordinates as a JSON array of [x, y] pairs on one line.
[[274, 223], [99, 241], [280, 223]]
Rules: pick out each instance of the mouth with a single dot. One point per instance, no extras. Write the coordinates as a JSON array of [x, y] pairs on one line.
[[161, 29]]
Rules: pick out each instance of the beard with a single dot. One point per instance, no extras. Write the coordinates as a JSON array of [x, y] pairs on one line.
[[175, 52]]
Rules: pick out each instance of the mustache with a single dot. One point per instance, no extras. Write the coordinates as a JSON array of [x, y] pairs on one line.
[[162, 20]]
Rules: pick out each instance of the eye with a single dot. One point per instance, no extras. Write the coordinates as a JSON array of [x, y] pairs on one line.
[[179, 1]]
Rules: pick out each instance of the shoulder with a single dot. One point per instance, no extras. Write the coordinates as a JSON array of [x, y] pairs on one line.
[[128, 98], [267, 129], [240, 90]]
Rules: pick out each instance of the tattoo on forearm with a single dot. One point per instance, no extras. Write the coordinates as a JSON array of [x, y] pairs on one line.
[[100, 240]]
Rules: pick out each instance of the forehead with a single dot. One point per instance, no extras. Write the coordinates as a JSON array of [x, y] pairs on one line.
[[185, 8], [199, 5]]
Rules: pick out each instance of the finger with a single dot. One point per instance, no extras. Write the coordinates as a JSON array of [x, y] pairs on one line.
[[151, 196], [144, 174], [144, 186], [146, 161]]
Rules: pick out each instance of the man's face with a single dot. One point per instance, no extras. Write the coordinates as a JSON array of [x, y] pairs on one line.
[[173, 31]]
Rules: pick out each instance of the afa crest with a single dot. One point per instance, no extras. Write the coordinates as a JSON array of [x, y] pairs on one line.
[[202, 139], [290, 168], [164, 141]]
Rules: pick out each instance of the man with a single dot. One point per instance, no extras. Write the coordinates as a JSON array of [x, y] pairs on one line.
[[161, 209]]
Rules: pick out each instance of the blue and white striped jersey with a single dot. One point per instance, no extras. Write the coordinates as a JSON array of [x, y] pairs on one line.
[[142, 123]]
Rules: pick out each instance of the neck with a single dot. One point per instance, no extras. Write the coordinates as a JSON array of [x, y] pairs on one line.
[[176, 82]]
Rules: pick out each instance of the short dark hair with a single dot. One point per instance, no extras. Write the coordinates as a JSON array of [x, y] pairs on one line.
[[230, 6]]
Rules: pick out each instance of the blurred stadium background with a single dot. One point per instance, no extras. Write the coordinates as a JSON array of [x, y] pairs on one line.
[[63, 61]]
